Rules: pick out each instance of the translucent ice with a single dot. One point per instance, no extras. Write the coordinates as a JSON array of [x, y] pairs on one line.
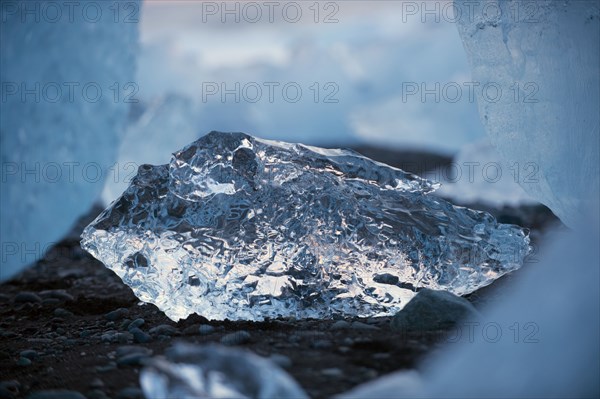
[[64, 70], [243, 228], [190, 371], [538, 67]]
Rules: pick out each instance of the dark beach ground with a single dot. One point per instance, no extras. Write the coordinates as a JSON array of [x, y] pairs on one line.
[[58, 311]]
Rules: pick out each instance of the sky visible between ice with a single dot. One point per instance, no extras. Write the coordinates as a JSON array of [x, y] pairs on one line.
[[375, 50]]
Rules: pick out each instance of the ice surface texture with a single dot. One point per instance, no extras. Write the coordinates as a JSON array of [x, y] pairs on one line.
[[243, 228], [544, 58], [57, 136], [190, 371]]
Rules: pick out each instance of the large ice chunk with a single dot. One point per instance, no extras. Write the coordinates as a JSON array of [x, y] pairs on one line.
[[538, 67], [243, 228], [67, 76]]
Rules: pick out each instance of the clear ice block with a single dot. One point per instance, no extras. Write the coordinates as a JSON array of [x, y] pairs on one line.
[[237, 227]]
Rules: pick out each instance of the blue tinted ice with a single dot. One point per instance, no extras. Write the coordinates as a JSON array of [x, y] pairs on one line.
[[243, 228]]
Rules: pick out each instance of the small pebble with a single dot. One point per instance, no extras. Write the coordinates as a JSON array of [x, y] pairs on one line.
[[340, 325], [124, 324], [60, 312], [236, 338], [108, 367], [24, 362], [109, 336], [206, 329], [137, 323], [322, 344], [29, 354], [24, 297], [133, 359], [124, 337], [96, 383], [57, 294], [85, 333], [332, 372], [8, 334], [117, 314], [139, 336], [129, 349], [164, 329]]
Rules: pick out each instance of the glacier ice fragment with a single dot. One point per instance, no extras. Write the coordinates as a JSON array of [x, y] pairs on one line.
[[239, 227]]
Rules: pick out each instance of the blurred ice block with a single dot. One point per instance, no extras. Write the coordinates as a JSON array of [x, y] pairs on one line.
[[538, 67], [67, 77], [191, 371]]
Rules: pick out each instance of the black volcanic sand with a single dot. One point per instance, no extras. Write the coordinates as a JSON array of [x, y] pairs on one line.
[[58, 308]]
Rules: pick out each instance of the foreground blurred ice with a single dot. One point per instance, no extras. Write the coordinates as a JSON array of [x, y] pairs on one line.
[[243, 228], [64, 82], [189, 371], [541, 64]]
